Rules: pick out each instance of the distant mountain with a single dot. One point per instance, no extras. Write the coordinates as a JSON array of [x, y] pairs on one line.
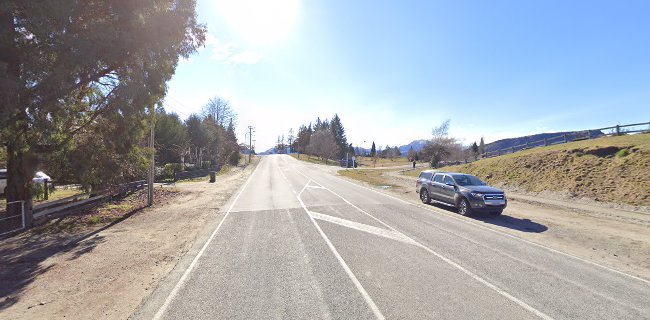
[[538, 139], [416, 144]]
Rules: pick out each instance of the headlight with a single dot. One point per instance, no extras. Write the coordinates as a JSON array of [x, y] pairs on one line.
[[477, 195]]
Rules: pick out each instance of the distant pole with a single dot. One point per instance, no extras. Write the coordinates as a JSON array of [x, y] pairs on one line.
[[250, 143], [152, 168]]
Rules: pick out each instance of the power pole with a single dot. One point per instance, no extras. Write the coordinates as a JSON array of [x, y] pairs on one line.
[[152, 168], [250, 142]]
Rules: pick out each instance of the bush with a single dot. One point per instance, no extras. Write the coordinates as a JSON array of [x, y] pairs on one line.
[[622, 153], [234, 157]]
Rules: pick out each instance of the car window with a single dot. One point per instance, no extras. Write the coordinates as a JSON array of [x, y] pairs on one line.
[[437, 178], [448, 179], [467, 180], [426, 175]]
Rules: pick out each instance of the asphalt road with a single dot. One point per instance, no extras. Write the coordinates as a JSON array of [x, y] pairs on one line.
[[297, 242]]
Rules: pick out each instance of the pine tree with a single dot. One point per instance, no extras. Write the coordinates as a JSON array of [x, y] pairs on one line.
[[481, 147], [475, 150], [336, 127], [373, 150], [411, 154]]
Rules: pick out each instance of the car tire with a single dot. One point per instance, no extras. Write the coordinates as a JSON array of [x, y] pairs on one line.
[[464, 208], [496, 213], [424, 196]]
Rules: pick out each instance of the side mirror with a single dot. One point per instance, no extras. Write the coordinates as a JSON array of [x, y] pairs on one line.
[[450, 184]]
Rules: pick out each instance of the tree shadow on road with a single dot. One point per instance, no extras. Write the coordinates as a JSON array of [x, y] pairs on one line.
[[503, 220], [22, 257]]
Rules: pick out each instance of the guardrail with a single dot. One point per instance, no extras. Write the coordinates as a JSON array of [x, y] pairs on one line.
[[616, 130]]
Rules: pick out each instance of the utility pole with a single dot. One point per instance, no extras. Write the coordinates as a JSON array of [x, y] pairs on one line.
[[250, 142], [152, 168]]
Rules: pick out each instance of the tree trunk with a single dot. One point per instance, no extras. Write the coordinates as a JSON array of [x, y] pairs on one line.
[[21, 166]]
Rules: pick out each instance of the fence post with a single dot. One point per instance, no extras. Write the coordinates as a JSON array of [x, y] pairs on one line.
[[28, 213], [618, 130], [513, 149], [565, 138], [47, 192], [22, 212], [545, 142]]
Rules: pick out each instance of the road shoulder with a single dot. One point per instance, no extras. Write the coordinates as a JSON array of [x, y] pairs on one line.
[[109, 272]]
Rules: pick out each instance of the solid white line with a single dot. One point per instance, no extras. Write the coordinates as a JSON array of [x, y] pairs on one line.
[[357, 284], [454, 264], [189, 269], [432, 209], [363, 227]]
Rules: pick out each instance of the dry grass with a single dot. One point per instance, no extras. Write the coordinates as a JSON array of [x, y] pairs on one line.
[[312, 159], [373, 177], [105, 213], [367, 162], [58, 194], [611, 169]]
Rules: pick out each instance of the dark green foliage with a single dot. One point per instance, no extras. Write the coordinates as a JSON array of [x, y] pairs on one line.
[[373, 150], [79, 79]]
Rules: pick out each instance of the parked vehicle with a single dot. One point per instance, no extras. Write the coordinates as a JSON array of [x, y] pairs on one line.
[[465, 192], [39, 178]]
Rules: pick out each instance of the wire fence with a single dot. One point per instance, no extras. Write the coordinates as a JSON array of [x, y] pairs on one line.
[[9, 222], [616, 130]]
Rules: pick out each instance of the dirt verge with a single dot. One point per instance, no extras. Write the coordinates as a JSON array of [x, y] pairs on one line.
[[106, 267]]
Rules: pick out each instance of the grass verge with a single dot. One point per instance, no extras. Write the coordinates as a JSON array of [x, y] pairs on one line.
[[373, 177], [609, 169]]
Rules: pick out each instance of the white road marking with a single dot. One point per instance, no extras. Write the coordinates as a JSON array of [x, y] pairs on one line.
[[357, 284], [285, 178], [363, 227], [447, 260], [453, 216], [183, 278]]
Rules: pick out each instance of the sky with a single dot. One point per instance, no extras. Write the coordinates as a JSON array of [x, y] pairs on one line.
[[393, 70]]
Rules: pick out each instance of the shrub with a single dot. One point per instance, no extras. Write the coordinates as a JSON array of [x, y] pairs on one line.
[[622, 153]]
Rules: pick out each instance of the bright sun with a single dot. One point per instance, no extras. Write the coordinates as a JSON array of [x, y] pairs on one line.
[[260, 22]]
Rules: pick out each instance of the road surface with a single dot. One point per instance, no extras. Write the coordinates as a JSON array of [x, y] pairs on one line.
[[297, 242]]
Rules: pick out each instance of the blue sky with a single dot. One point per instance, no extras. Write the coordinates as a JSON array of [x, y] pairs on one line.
[[392, 70]]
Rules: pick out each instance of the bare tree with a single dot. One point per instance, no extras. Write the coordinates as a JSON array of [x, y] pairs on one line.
[[440, 146], [323, 145], [220, 111]]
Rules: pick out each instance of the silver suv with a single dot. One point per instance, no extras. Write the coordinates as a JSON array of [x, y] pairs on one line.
[[465, 192]]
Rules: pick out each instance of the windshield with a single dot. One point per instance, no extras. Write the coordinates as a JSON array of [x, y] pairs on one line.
[[467, 180]]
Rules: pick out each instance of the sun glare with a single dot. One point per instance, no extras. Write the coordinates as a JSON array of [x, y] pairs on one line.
[[260, 22]]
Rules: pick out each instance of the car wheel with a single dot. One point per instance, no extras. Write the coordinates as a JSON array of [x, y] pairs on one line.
[[424, 196], [464, 208], [497, 213]]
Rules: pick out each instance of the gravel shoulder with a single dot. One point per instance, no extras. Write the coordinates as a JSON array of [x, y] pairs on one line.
[[107, 271], [614, 237]]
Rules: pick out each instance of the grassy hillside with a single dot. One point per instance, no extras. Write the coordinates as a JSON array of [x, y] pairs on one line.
[[611, 169]]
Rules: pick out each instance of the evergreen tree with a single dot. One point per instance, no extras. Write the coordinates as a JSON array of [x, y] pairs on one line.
[[373, 150], [475, 150], [336, 127], [411, 154], [86, 68], [481, 147]]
